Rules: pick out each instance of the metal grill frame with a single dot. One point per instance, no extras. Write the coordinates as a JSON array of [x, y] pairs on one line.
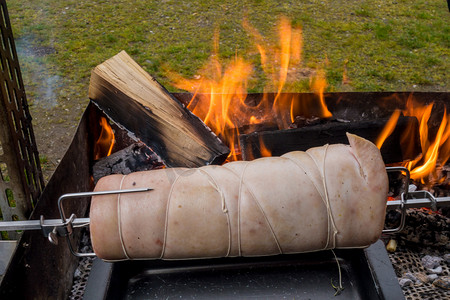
[[19, 154]]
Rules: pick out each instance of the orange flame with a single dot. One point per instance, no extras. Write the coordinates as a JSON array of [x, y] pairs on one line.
[[220, 94], [265, 152], [320, 83], [388, 128], [435, 149], [425, 165], [105, 142]]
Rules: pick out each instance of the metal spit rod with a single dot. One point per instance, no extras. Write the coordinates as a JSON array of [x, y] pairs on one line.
[[420, 202], [53, 228], [79, 222], [37, 224], [73, 221]]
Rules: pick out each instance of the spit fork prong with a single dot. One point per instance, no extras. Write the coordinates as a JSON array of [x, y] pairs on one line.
[[54, 228]]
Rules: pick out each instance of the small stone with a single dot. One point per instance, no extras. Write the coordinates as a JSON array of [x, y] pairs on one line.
[[422, 277], [447, 258], [431, 262], [77, 273], [412, 188], [437, 270], [432, 277], [442, 282], [411, 276], [404, 282]]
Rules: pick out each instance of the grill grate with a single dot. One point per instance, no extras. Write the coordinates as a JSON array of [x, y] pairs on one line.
[[21, 180], [81, 274], [409, 261], [425, 232], [80, 278]]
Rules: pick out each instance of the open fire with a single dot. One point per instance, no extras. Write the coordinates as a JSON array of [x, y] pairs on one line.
[[220, 100], [435, 142], [105, 142], [220, 93]]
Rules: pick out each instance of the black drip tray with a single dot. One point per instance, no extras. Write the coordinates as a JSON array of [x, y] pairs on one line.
[[366, 274]]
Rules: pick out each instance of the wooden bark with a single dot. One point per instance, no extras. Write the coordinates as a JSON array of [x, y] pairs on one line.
[[135, 100], [282, 141]]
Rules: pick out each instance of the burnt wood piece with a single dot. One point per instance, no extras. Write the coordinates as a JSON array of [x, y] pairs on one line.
[[300, 139], [355, 106], [136, 157], [135, 100]]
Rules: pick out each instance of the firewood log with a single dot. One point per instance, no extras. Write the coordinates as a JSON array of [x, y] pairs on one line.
[[332, 196], [133, 99]]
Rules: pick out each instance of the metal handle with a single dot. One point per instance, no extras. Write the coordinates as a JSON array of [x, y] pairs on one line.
[[54, 228], [404, 197], [86, 195]]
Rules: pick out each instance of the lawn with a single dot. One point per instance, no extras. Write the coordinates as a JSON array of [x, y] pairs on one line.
[[382, 46]]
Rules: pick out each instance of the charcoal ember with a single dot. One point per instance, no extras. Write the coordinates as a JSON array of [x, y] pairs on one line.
[[397, 184], [446, 169], [412, 277], [442, 282], [423, 227], [447, 258], [404, 282], [412, 188], [77, 274], [431, 262], [437, 270], [84, 240], [136, 157], [246, 129], [422, 277], [432, 277], [301, 121], [392, 218]]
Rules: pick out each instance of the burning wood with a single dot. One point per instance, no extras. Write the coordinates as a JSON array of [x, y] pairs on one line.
[[277, 143], [136, 101], [223, 103]]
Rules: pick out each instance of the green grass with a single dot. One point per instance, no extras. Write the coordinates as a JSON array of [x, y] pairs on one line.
[[178, 35]]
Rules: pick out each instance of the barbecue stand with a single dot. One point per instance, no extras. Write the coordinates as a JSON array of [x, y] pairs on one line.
[[37, 262], [366, 274]]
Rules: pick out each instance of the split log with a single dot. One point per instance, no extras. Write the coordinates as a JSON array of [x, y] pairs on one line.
[[283, 141], [135, 100], [136, 157]]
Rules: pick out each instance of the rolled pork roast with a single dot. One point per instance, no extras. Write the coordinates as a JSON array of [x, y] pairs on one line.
[[328, 197]]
